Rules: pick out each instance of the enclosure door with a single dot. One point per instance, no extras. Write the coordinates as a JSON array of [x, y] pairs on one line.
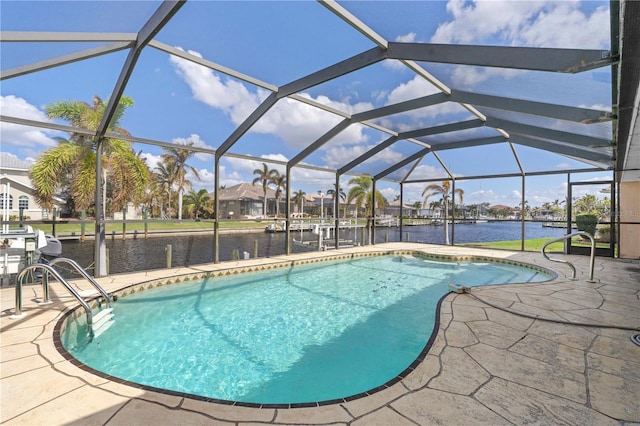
[[598, 200]]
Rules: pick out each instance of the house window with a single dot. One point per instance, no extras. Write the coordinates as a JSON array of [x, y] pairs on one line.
[[23, 202], [2, 202]]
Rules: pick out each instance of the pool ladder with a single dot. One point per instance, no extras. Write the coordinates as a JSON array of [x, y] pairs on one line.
[[573, 268], [96, 324]]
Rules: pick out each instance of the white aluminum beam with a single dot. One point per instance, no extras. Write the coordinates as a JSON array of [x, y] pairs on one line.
[[550, 134], [48, 37], [525, 58], [415, 156], [561, 112], [400, 107], [63, 60], [158, 20], [347, 66], [336, 130], [445, 128], [211, 65], [247, 123], [573, 151], [370, 153], [467, 143], [350, 19]]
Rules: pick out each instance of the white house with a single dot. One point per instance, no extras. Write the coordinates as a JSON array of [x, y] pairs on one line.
[[16, 191]]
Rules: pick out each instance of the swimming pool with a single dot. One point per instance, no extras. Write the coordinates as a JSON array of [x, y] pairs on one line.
[[303, 334]]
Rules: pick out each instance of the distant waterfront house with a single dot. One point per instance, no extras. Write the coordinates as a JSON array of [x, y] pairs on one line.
[[500, 211], [16, 191], [245, 201], [542, 213], [393, 209]]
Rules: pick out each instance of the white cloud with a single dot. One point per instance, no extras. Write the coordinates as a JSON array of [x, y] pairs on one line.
[[299, 124], [302, 178], [244, 166], [407, 38], [29, 139], [295, 122], [206, 181], [465, 77], [603, 177], [599, 107], [524, 23], [520, 23], [394, 64], [414, 88], [562, 166], [480, 196], [564, 25], [389, 193], [217, 91], [335, 156], [152, 160], [425, 171], [194, 139]]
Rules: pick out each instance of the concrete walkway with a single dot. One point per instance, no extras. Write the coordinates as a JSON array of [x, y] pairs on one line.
[[503, 355]]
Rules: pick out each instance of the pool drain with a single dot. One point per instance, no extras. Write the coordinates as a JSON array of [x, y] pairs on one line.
[[636, 339]]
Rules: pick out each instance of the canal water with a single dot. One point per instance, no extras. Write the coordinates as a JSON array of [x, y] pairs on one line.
[[129, 255]]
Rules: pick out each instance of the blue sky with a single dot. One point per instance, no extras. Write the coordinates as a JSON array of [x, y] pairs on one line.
[[278, 42]]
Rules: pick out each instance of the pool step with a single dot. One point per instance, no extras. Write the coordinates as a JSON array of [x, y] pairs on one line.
[[102, 321]]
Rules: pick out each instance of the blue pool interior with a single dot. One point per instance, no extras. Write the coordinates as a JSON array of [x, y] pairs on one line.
[[300, 334]]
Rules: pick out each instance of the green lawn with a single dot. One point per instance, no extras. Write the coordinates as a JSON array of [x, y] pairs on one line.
[[74, 226], [529, 245]]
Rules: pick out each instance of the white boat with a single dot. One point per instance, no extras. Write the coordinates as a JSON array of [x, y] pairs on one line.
[[276, 227]]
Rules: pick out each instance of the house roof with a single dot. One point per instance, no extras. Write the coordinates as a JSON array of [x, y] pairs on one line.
[[501, 207], [4, 178], [244, 191], [405, 205], [8, 161]]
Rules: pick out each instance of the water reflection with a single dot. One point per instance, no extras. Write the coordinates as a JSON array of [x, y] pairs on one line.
[[131, 255]]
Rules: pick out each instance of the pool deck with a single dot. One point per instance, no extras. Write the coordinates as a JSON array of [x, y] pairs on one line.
[[486, 365]]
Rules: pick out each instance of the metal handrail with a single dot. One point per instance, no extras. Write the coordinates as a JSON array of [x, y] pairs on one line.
[[56, 275], [84, 273], [573, 268]]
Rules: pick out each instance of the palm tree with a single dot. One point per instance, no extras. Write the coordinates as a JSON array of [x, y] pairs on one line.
[[299, 197], [341, 196], [361, 193], [444, 191], [556, 207], [280, 181], [73, 161], [417, 206], [524, 210], [197, 202], [162, 185], [264, 176], [435, 205], [177, 158]]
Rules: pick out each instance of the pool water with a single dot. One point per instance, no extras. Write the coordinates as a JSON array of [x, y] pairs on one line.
[[308, 333]]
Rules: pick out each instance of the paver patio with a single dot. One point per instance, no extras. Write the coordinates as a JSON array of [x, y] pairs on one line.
[[502, 355]]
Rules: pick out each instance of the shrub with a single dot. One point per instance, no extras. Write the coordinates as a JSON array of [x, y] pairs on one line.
[[587, 223], [604, 234]]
